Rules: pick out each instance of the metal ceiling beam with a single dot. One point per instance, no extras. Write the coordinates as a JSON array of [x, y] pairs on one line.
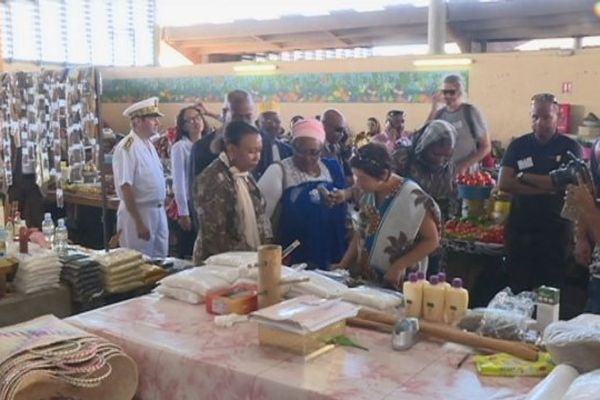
[[547, 21], [292, 25], [466, 11], [351, 34], [341, 43], [530, 33]]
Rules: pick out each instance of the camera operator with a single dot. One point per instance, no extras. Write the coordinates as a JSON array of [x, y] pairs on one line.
[[588, 237], [539, 240]]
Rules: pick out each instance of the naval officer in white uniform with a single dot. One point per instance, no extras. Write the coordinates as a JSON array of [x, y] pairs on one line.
[[140, 183]]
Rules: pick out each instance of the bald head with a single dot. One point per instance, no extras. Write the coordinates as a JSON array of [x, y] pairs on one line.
[[334, 124], [238, 106]]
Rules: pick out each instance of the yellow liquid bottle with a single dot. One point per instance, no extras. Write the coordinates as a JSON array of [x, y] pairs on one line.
[[413, 296], [442, 280], [433, 300], [456, 302]]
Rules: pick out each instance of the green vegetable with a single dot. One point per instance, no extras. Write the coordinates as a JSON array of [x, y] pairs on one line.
[[343, 340]]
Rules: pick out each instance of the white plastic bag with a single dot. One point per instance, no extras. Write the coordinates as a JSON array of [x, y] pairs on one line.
[[226, 273], [233, 259], [376, 298], [585, 387], [180, 294], [196, 280], [575, 342], [318, 285]]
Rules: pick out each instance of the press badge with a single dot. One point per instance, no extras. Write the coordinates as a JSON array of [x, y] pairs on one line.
[[525, 163]]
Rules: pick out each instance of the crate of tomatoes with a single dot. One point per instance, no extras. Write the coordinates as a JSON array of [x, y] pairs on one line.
[[475, 229], [474, 235], [475, 186]]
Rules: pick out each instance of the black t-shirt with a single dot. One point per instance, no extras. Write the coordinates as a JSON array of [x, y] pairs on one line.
[[526, 154], [200, 157]]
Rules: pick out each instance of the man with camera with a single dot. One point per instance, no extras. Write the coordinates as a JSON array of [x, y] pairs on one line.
[[587, 244], [539, 239]]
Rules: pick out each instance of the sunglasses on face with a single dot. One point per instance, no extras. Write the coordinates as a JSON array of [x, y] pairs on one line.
[[307, 152], [340, 129], [449, 92], [549, 97]]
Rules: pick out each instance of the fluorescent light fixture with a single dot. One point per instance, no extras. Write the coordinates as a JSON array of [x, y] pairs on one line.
[[255, 68], [442, 62]]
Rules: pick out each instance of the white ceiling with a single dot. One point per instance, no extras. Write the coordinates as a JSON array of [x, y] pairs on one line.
[[468, 22]]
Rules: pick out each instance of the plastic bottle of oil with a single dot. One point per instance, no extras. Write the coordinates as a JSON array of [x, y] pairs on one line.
[[413, 295], [433, 300], [456, 303], [442, 280]]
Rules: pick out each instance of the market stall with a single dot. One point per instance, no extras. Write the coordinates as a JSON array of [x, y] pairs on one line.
[[52, 145], [474, 244], [182, 354]]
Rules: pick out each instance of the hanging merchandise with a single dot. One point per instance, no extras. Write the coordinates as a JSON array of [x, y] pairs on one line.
[[48, 117]]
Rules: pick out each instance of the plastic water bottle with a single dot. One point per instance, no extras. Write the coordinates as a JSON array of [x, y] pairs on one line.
[[48, 228], [61, 237]]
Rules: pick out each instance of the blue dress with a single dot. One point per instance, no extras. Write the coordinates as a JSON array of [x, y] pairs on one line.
[[320, 229]]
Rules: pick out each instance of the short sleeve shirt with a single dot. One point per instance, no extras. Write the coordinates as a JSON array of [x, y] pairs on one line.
[[527, 154], [136, 162], [466, 141]]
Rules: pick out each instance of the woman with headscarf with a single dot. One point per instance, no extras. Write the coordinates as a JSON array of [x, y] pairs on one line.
[[398, 224], [429, 163], [191, 126], [230, 207], [299, 191]]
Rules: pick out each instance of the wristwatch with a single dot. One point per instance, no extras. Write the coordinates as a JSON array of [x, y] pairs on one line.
[[520, 176]]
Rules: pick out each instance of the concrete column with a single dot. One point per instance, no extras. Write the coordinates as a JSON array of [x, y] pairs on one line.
[[577, 42], [436, 26], [156, 44]]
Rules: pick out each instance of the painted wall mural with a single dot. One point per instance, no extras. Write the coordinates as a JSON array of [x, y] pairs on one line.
[[360, 87]]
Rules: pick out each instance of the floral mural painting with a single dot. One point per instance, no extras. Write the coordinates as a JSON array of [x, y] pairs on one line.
[[360, 87]]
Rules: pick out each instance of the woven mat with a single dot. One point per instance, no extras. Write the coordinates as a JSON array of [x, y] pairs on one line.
[[47, 358]]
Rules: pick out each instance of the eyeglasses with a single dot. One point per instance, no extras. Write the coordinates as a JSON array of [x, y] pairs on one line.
[[544, 97], [194, 119], [340, 129], [307, 152], [450, 92]]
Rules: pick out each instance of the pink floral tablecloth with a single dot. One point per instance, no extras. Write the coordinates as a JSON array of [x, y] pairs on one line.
[[182, 355]]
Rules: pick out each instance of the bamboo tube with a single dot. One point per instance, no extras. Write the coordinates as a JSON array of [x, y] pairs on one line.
[[444, 332], [269, 275]]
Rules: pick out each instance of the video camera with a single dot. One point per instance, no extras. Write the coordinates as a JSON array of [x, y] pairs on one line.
[[572, 173]]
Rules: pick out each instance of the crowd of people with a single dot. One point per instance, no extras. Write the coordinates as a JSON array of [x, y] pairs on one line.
[[374, 203]]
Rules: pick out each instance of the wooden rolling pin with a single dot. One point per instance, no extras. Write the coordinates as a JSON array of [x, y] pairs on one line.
[[368, 324], [450, 334]]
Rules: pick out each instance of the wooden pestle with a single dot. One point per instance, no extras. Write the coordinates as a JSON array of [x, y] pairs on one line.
[[444, 332]]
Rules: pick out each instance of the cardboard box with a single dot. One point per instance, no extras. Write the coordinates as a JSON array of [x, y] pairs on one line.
[[240, 299], [297, 343]]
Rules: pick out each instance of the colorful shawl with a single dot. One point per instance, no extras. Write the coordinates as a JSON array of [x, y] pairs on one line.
[[391, 230]]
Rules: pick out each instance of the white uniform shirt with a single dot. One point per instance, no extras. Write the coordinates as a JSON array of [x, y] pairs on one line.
[[180, 170], [136, 162]]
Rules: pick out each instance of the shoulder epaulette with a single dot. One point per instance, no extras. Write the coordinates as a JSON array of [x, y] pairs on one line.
[[128, 143]]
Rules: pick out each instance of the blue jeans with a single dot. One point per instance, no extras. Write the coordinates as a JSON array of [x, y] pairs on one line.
[[593, 303]]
